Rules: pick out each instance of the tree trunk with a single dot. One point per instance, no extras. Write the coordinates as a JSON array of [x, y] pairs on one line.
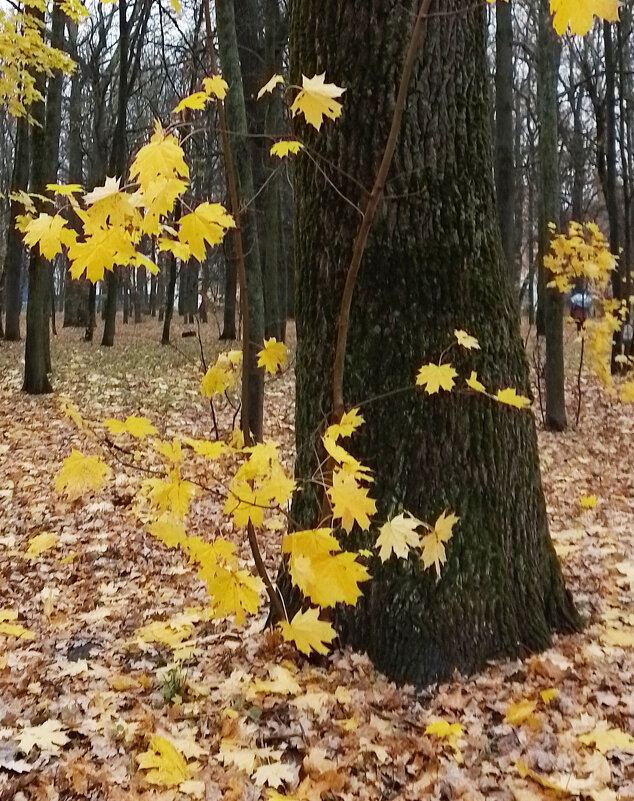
[[169, 300], [548, 71], [76, 290], [44, 165], [231, 286], [237, 125], [14, 261], [118, 158], [433, 263], [504, 139]]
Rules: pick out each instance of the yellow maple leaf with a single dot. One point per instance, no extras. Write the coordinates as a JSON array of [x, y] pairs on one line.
[[81, 474], [171, 494], [510, 397], [316, 100], [66, 190], [270, 85], [450, 732], [273, 355], [169, 530], [579, 14], [549, 694], [605, 739], [308, 632], [50, 233], [620, 638], [39, 544], [10, 629], [588, 501], [433, 544], [49, 737], [397, 536], [165, 765], [473, 382], [350, 501], [234, 592], [349, 423], [139, 427], [216, 85], [203, 447], [217, 380], [283, 148], [466, 340], [520, 712], [321, 571], [436, 376], [196, 101], [206, 224]]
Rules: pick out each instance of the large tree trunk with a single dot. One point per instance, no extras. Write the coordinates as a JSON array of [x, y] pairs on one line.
[[433, 263]]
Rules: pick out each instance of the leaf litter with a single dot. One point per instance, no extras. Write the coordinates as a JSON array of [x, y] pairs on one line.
[[114, 684]]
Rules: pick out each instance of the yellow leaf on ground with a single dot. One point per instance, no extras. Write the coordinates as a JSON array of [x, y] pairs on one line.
[[10, 629], [521, 712], [165, 765], [605, 740], [49, 737], [39, 544], [588, 501]]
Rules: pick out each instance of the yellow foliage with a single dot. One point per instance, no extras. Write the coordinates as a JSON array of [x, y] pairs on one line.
[[350, 501], [316, 100], [273, 355], [436, 376], [81, 474], [321, 570], [308, 632]]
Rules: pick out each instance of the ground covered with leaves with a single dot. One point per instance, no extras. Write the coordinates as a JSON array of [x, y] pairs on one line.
[[114, 684]]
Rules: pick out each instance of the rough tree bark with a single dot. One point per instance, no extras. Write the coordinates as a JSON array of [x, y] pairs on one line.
[[433, 263], [504, 140]]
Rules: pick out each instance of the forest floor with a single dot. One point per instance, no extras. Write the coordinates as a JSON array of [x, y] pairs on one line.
[[81, 695]]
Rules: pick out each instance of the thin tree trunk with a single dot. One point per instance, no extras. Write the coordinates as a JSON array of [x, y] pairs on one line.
[[549, 54], [237, 125], [14, 261], [118, 163], [169, 300]]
